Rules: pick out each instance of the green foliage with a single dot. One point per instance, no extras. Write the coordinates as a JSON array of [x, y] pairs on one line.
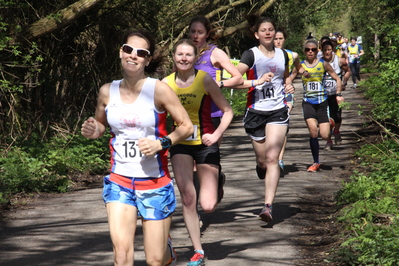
[[383, 90], [371, 196], [55, 78], [376, 19], [345, 105], [374, 245], [237, 99], [33, 166], [371, 215], [392, 37]]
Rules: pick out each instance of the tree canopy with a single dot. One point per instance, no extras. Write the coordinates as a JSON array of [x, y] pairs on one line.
[[54, 55]]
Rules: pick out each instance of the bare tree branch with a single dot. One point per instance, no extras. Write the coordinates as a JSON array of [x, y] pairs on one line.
[[222, 8], [223, 32], [58, 20], [315, 3], [230, 30], [210, 15]]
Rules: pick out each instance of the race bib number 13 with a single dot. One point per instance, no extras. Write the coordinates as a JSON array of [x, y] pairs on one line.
[[130, 149]]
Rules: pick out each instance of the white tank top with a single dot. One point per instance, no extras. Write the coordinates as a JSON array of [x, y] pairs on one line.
[[329, 83], [128, 123], [270, 95]]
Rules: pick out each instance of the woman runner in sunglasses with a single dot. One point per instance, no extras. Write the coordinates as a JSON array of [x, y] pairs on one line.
[[139, 184], [315, 104]]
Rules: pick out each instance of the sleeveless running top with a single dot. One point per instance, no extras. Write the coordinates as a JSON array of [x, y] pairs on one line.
[[329, 82], [197, 101], [128, 123], [204, 63], [354, 50], [290, 60], [338, 52], [314, 90], [268, 96]]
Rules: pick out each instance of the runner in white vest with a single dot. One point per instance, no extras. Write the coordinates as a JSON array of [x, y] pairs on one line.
[[139, 183]]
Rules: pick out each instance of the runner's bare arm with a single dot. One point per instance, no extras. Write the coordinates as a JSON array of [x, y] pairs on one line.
[[220, 59], [167, 100], [94, 127]]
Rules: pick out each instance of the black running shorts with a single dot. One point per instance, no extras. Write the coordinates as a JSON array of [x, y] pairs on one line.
[[255, 121], [317, 111]]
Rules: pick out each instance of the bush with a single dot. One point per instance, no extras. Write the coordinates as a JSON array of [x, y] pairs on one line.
[[371, 215], [237, 99], [383, 90], [33, 166]]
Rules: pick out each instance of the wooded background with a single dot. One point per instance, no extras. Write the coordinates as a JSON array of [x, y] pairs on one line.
[[55, 54]]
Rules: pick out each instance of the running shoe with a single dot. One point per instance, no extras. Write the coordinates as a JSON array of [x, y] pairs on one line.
[[197, 260], [337, 138], [173, 254], [314, 167], [266, 213], [221, 182], [281, 164], [260, 172], [354, 86], [328, 146]]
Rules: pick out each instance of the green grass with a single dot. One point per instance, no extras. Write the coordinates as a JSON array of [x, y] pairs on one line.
[[370, 198], [370, 214]]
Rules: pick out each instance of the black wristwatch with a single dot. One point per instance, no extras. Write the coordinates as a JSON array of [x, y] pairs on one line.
[[166, 142], [339, 94], [221, 84]]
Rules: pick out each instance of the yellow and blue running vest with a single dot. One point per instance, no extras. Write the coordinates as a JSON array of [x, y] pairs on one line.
[[354, 50], [314, 90], [290, 60]]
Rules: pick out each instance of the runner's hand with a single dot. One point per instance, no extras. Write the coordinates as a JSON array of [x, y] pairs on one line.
[[267, 77], [289, 88], [209, 139], [149, 147], [90, 128], [340, 99]]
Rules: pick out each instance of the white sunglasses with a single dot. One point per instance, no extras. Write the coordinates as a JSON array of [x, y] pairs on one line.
[[139, 51]]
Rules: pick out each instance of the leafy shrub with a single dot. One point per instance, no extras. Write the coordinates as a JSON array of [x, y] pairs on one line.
[[383, 90], [237, 99], [371, 215], [33, 166]]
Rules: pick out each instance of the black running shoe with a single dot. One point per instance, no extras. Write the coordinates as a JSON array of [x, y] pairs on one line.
[[260, 172], [221, 181]]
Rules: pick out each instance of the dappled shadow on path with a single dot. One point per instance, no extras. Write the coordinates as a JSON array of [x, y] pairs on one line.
[[57, 245]]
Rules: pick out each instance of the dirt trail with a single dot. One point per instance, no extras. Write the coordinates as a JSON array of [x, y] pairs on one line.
[[72, 229]]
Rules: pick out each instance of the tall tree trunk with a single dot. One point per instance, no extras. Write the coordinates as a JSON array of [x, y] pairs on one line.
[[376, 47]]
